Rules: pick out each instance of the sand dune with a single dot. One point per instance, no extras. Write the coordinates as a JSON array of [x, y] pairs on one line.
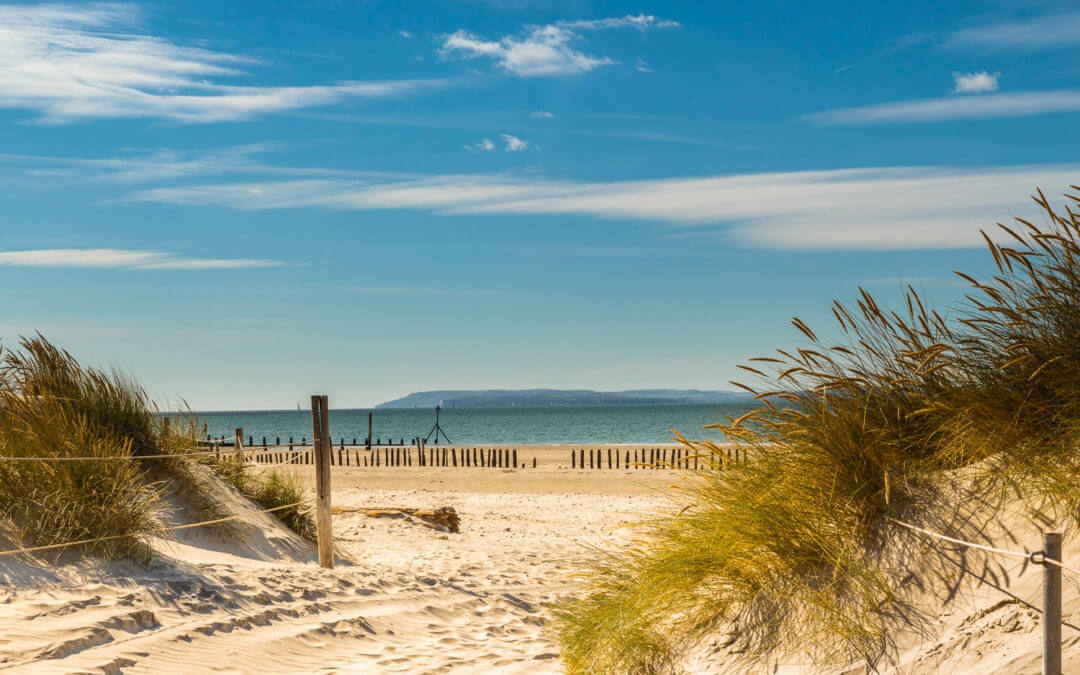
[[408, 598]]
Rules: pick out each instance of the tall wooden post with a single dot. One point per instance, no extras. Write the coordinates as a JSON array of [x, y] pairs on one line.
[[238, 442], [1052, 605], [320, 434], [368, 442]]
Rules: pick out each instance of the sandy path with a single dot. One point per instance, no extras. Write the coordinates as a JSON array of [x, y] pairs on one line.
[[418, 600]]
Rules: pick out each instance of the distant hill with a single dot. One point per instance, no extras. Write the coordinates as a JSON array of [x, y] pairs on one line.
[[507, 398]]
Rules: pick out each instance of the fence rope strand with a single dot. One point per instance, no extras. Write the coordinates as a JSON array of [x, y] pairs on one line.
[[239, 516], [961, 542]]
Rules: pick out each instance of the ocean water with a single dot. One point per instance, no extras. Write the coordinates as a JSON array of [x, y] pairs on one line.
[[498, 426]]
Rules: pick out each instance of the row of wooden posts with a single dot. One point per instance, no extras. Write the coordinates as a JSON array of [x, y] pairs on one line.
[[644, 458], [420, 455]]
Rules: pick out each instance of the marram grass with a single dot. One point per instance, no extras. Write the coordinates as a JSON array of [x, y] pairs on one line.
[[912, 416], [53, 407]]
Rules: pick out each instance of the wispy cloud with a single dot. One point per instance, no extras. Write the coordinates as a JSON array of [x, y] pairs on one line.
[[641, 22], [1016, 104], [111, 258], [1028, 34], [165, 163], [73, 63], [513, 143], [404, 33], [863, 208], [542, 114], [483, 145], [975, 83], [544, 51]]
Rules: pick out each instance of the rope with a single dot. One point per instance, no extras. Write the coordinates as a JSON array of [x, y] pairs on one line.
[[50, 547], [113, 457], [961, 542], [1047, 561]]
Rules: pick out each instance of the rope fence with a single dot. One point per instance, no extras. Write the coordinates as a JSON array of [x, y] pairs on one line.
[[175, 528], [1050, 559]]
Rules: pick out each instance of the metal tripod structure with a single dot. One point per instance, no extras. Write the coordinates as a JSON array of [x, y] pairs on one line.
[[437, 429]]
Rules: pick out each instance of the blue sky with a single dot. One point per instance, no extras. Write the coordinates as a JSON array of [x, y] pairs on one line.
[[249, 202]]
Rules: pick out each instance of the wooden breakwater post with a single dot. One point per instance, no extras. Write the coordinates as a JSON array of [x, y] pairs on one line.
[[320, 434], [367, 441]]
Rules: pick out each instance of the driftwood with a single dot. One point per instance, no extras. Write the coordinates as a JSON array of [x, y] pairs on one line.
[[442, 517]]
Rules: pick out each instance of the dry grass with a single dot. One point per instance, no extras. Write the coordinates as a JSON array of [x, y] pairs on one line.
[[909, 416], [53, 407], [270, 488]]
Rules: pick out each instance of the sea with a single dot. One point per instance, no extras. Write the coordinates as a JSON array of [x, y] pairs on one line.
[[547, 425]]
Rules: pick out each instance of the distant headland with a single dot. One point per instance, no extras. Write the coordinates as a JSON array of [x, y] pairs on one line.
[[506, 398]]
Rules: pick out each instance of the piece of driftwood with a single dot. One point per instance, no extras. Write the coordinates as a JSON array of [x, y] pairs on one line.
[[445, 516]]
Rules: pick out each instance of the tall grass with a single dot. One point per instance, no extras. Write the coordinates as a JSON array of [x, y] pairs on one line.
[[270, 488], [52, 407], [909, 416], [55, 408]]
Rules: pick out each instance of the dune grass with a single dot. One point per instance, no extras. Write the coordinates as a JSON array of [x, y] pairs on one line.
[[271, 488], [53, 407], [909, 416]]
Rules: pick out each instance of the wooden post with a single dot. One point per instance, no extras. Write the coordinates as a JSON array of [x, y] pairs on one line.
[[1052, 605], [515, 458], [534, 462], [368, 440], [581, 458], [320, 433], [238, 442], [573, 459], [609, 458]]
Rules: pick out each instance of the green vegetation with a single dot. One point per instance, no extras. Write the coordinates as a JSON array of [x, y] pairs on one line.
[[271, 489], [909, 416], [53, 407]]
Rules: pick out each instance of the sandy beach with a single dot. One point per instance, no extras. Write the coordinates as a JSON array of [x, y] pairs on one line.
[[406, 597]]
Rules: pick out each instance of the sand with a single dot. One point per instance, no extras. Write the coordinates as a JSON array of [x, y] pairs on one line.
[[408, 598]]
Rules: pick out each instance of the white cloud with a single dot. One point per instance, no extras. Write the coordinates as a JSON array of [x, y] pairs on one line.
[[1036, 33], [162, 163], [542, 114], [975, 83], [543, 51], [863, 208], [404, 33], [74, 63], [1018, 104], [641, 22], [484, 145], [513, 143], [641, 66], [103, 258]]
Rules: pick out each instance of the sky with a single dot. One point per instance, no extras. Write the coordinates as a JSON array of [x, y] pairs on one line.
[[246, 203]]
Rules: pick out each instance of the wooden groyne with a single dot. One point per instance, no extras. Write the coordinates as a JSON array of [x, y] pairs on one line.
[[419, 454]]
